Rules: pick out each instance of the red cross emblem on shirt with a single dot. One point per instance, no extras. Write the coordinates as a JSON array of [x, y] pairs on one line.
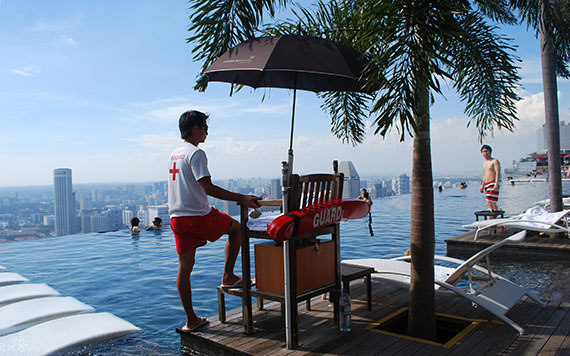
[[174, 170]]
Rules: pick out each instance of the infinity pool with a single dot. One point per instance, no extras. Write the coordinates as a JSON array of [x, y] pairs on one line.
[[134, 277]]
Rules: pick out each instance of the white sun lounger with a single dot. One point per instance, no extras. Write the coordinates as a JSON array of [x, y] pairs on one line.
[[534, 219], [485, 288], [36, 320], [24, 313], [59, 334], [7, 278], [16, 292], [546, 203]]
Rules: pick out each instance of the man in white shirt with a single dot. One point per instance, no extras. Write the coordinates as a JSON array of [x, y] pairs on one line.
[[192, 219]]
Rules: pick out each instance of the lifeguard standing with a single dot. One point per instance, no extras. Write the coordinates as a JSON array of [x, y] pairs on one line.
[[192, 219]]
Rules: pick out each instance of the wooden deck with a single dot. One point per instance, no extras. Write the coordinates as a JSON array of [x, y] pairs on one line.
[[534, 245], [547, 330]]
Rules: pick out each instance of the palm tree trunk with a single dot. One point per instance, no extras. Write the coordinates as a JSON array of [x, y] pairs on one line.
[[421, 315], [551, 113]]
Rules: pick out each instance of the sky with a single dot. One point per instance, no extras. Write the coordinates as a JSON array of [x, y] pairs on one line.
[[99, 86]]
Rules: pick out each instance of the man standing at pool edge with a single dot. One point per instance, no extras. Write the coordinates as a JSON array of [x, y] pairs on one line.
[[491, 178], [192, 219]]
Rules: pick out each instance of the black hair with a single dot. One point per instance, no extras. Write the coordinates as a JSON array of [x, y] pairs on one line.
[[190, 119], [135, 221], [158, 219], [486, 147]]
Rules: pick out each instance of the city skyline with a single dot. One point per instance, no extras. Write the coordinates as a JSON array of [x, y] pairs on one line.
[[84, 85], [64, 208]]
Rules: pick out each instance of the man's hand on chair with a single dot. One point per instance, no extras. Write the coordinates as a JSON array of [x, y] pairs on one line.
[[250, 201]]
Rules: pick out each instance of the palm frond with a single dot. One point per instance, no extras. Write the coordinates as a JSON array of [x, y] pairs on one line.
[[561, 36], [497, 10], [553, 19], [348, 112], [218, 25], [485, 76]]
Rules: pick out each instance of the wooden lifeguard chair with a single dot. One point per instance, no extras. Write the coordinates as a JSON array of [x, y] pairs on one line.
[[313, 265]]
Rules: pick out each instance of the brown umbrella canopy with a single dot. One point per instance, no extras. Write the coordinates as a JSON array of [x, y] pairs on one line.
[[292, 62]]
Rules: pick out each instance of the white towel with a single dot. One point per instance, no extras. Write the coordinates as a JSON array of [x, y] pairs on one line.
[[261, 223]]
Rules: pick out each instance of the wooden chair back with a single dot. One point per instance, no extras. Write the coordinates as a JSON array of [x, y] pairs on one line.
[[314, 188]]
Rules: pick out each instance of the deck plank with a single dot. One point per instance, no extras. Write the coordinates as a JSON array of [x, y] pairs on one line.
[[361, 317], [560, 334], [544, 330], [547, 329], [504, 335]]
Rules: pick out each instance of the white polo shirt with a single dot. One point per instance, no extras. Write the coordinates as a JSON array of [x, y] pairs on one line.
[[188, 164]]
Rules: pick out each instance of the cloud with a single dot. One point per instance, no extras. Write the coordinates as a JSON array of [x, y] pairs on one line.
[[155, 144], [56, 25], [25, 72], [167, 114], [531, 70], [65, 40], [168, 110], [530, 111], [266, 108]]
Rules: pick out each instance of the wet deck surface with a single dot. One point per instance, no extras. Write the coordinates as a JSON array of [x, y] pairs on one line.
[[547, 329]]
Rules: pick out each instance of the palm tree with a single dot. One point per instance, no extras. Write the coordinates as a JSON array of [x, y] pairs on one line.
[[412, 45], [550, 20]]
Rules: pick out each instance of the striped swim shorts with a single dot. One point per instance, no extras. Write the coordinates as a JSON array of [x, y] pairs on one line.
[[491, 195]]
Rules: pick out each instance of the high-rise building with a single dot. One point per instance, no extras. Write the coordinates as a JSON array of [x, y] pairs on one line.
[[160, 211], [85, 203], [127, 216], [351, 188], [276, 190], [115, 216], [64, 202], [100, 222], [230, 207], [403, 184], [86, 220]]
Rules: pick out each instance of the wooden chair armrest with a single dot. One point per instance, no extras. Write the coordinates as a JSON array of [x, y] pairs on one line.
[[276, 202]]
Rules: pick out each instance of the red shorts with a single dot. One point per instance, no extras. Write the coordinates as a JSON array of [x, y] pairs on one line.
[[191, 232], [491, 195]]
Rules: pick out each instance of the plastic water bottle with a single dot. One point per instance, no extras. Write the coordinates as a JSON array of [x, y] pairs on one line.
[[344, 317]]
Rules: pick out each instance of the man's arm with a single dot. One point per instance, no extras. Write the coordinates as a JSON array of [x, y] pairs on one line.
[[483, 179], [497, 167], [217, 192]]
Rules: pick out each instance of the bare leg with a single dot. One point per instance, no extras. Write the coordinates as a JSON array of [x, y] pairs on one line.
[[185, 265], [233, 244], [491, 206]]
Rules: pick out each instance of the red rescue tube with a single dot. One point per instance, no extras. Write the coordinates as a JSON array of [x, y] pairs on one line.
[[317, 216]]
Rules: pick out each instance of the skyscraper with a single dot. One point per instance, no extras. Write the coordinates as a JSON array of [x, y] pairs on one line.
[[404, 184], [64, 202], [351, 188], [276, 190]]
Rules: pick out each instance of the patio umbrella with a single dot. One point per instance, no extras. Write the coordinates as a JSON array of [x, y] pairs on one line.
[[292, 62]]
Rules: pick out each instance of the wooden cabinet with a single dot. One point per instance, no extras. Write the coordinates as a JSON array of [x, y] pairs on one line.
[[315, 266]]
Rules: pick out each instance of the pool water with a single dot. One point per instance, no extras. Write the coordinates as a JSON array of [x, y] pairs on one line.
[[135, 277]]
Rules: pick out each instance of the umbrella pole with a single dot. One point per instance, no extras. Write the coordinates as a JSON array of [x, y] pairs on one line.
[[290, 152], [288, 246]]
